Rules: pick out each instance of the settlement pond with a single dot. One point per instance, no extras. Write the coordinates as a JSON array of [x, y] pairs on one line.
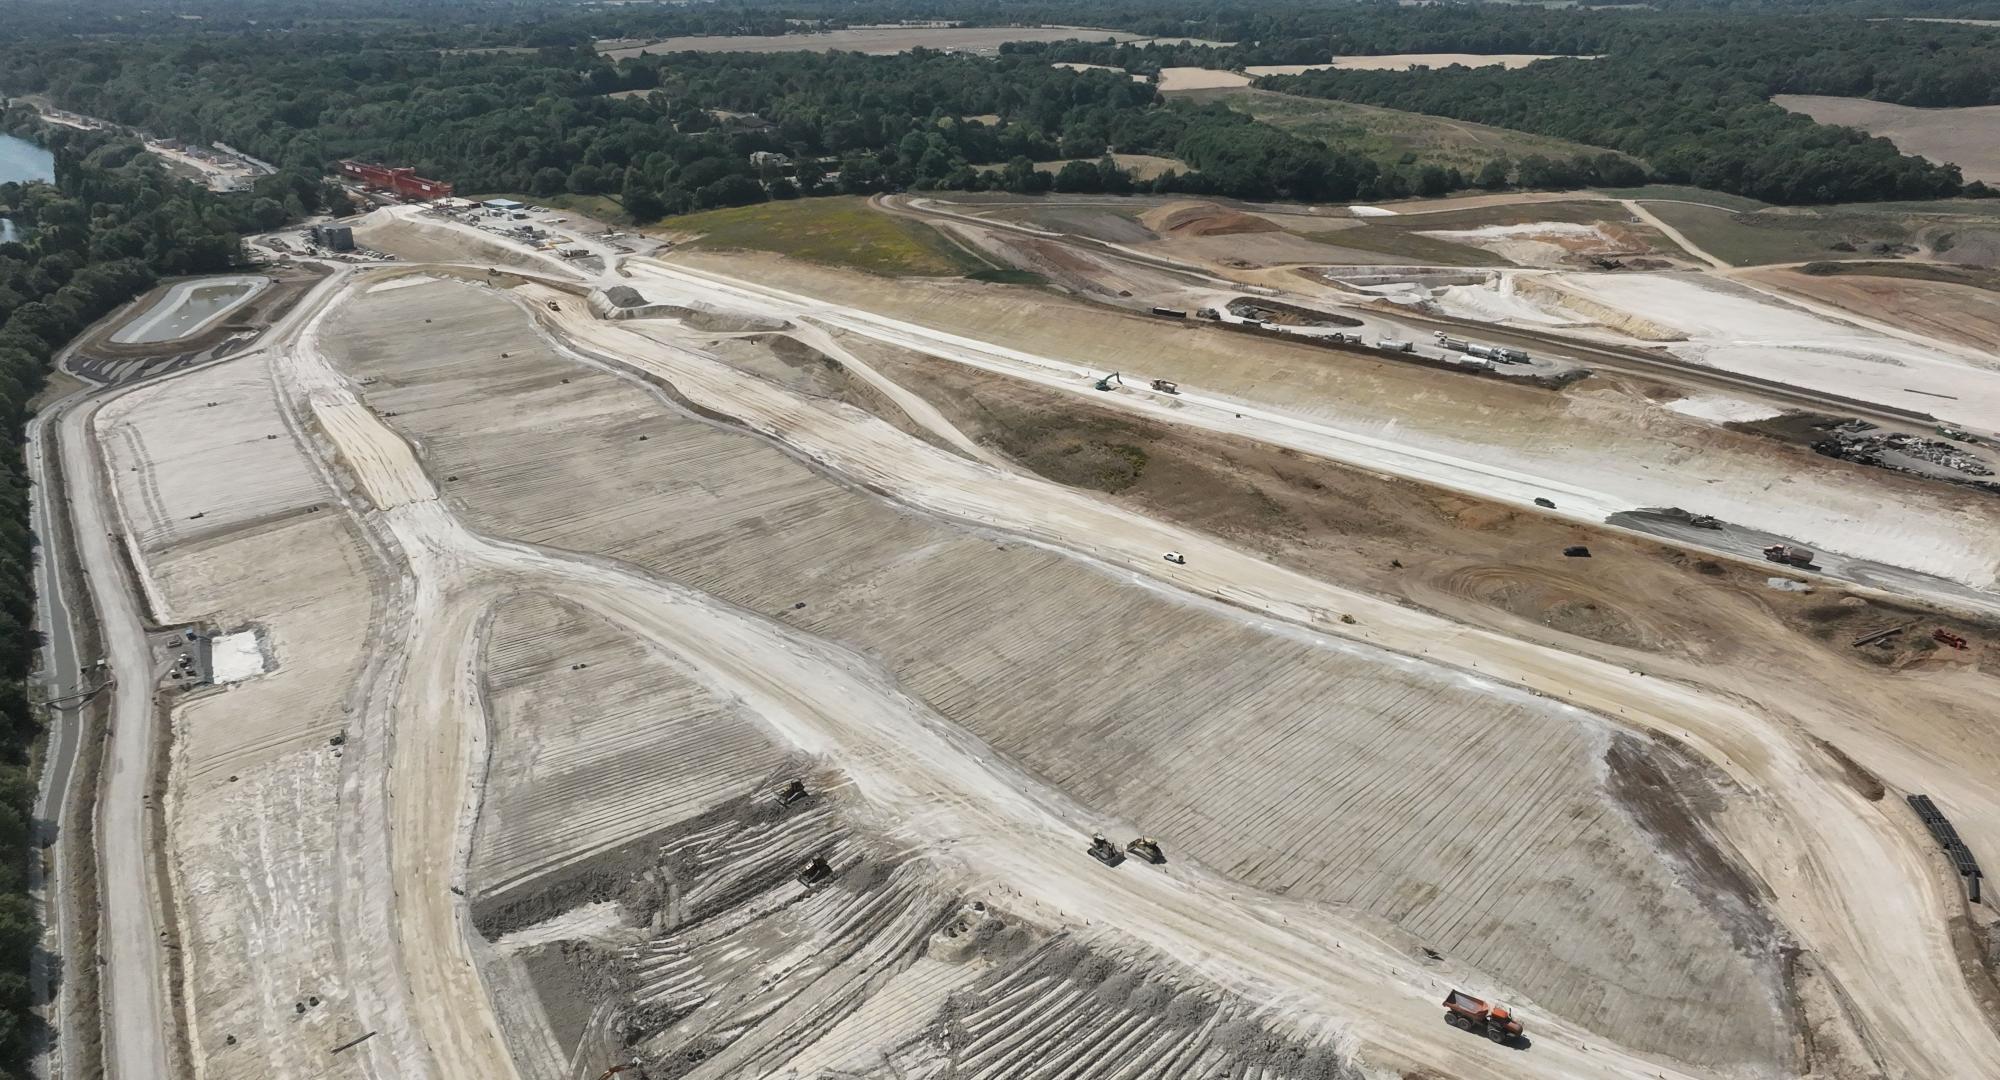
[[188, 309], [22, 162]]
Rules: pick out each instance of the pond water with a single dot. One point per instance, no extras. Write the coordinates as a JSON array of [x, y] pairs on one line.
[[22, 161], [188, 308]]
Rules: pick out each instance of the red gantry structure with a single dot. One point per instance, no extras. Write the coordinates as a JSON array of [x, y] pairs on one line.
[[403, 182]]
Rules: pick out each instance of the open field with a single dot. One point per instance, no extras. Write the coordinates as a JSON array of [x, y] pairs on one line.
[[877, 40], [840, 231], [1389, 134], [1174, 80], [1968, 138], [1792, 234], [1141, 166]]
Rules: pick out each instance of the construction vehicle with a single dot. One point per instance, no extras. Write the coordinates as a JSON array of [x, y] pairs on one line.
[[1208, 313], [1105, 851], [1176, 558], [1171, 313], [553, 306], [1165, 386], [793, 792], [1789, 555], [1105, 382], [1704, 521], [1545, 504], [1148, 849], [1468, 1013], [816, 871], [1577, 551], [1394, 345], [1946, 637], [1958, 434], [1452, 343]]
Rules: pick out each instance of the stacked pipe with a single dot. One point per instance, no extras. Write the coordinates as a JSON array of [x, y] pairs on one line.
[[1947, 838]]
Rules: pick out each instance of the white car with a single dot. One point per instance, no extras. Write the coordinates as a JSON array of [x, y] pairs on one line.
[[1176, 558]]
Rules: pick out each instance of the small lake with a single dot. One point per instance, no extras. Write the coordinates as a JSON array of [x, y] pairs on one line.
[[21, 161]]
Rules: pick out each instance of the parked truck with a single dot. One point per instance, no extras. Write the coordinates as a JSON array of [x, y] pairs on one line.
[[1468, 1013], [1789, 555], [1454, 344]]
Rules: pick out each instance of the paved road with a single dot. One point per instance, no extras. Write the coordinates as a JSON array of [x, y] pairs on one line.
[[132, 979], [62, 678]]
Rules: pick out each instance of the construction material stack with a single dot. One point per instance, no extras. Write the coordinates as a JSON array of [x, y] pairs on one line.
[[1947, 838]]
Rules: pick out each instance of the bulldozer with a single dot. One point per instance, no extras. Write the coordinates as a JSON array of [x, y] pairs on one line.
[[1468, 1013], [816, 871], [1105, 851], [1148, 849], [792, 793], [553, 306]]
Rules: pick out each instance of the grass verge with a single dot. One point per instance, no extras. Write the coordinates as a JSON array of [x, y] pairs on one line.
[[838, 231]]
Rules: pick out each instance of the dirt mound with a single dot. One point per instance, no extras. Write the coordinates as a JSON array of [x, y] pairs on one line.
[[1544, 290], [1206, 219], [1547, 599]]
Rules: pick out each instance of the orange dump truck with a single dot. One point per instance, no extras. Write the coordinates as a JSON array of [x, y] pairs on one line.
[[1468, 1013]]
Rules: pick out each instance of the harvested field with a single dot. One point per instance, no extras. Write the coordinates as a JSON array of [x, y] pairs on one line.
[[1180, 79], [1389, 134], [597, 740], [1968, 138], [948, 612], [875, 40]]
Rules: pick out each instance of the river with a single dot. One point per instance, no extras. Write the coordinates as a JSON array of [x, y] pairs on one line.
[[20, 161]]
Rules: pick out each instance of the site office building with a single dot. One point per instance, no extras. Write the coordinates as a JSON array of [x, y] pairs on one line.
[[403, 182]]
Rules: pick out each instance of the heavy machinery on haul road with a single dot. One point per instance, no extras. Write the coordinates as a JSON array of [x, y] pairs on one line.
[[1105, 851], [1789, 555], [1468, 1013]]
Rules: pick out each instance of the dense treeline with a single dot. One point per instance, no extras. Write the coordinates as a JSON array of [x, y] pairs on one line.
[[1683, 91], [545, 122], [1691, 97], [1689, 93], [99, 236]]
